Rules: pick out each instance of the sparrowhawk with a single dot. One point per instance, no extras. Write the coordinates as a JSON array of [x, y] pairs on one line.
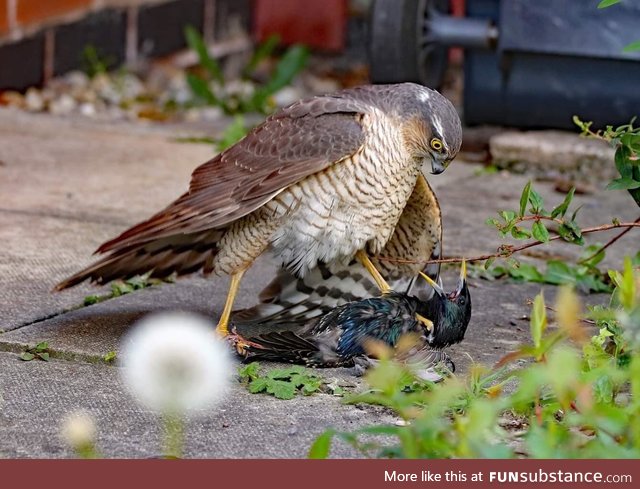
[[322, 180]]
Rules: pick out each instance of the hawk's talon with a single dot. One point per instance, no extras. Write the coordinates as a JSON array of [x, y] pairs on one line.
[[375, 274], [428, 324]]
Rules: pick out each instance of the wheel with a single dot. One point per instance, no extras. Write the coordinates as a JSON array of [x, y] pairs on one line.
[[399, 46]]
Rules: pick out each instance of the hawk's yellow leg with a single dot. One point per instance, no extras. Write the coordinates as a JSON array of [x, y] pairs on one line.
[[375, 274], [223, 324]]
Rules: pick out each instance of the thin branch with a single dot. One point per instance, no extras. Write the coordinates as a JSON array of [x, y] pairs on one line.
[[609, 243], [505, 250], [554, 310]]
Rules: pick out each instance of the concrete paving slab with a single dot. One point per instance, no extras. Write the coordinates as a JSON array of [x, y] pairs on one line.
[[39, 395], [90, 332], [116, 174]]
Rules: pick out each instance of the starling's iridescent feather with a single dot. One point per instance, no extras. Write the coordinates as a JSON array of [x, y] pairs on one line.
[[340, 337]]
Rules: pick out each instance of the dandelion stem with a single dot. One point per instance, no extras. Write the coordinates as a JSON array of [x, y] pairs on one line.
[[173, 435]]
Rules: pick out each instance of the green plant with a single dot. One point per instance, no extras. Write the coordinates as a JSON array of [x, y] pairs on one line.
[[233, 133], [282, 383], [110, 356], [574, 396], [40, 351], [209, 86], [625, 140], [94, 63], [123, 287]]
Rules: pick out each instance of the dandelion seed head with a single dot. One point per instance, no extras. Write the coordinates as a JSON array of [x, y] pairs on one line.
[[174, 363], [79, 430]]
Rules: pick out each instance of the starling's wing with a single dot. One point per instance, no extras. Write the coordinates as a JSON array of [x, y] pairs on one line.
[[298, 141], [432, 365], [284, 346], [417, 238]]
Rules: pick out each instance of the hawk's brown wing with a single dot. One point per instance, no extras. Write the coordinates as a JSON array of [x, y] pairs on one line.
[[298, 141]]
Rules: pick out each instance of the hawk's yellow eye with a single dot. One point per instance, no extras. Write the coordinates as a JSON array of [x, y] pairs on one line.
[[437, 144]]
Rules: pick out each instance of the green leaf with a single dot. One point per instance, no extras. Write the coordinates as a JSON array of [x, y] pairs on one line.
[[540, 231], [292, 62], [26, 356], [559, 273], [91, 299], [258, 385], [570, 232], [488, 263], [622, 162], [262, 52], [200, 89], [607, 3], [197, 44], [250, 371], [42, 346], [285, 373], [561, 210], [322, 445], [623, 184], [524, 198], [508, 216], [520, 233], [526, 272], [538, 319], [493, 222], [281, 389], [43, 356], [233, 133], [536, 201], [634, 46], [109, 356]]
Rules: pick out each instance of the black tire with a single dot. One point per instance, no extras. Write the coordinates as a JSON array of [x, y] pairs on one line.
[[397, 48]]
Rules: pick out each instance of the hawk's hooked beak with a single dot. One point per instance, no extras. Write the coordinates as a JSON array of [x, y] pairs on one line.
[[438, 166], [437, 287]]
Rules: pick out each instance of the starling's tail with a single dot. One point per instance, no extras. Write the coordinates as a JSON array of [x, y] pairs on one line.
[[180, 254], [284, 346]]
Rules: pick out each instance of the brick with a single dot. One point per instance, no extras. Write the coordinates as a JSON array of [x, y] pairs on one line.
[[4, 18], [22, 63], [34, 11], [320, 25], [106, 30], [161, 27]]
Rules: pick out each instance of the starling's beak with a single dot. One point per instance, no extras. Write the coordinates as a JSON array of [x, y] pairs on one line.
[[437, 287], [462, 280]]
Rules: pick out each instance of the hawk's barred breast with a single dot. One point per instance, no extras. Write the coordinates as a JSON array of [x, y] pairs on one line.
[[330, 215]]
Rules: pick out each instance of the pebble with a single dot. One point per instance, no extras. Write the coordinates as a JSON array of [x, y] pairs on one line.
[[63, 105], [33, 100]]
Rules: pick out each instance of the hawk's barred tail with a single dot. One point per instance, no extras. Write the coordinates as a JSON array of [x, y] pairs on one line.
[[291, 302], [180, 254]]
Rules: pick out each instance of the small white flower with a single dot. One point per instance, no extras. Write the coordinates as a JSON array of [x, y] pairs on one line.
[[174, 363], [79, 430]]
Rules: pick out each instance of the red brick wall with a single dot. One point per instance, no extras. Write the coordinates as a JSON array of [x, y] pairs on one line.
[[33, 11], [18, 16], [4, 17]]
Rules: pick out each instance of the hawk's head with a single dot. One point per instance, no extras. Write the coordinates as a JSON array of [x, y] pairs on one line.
[[431, 126]]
